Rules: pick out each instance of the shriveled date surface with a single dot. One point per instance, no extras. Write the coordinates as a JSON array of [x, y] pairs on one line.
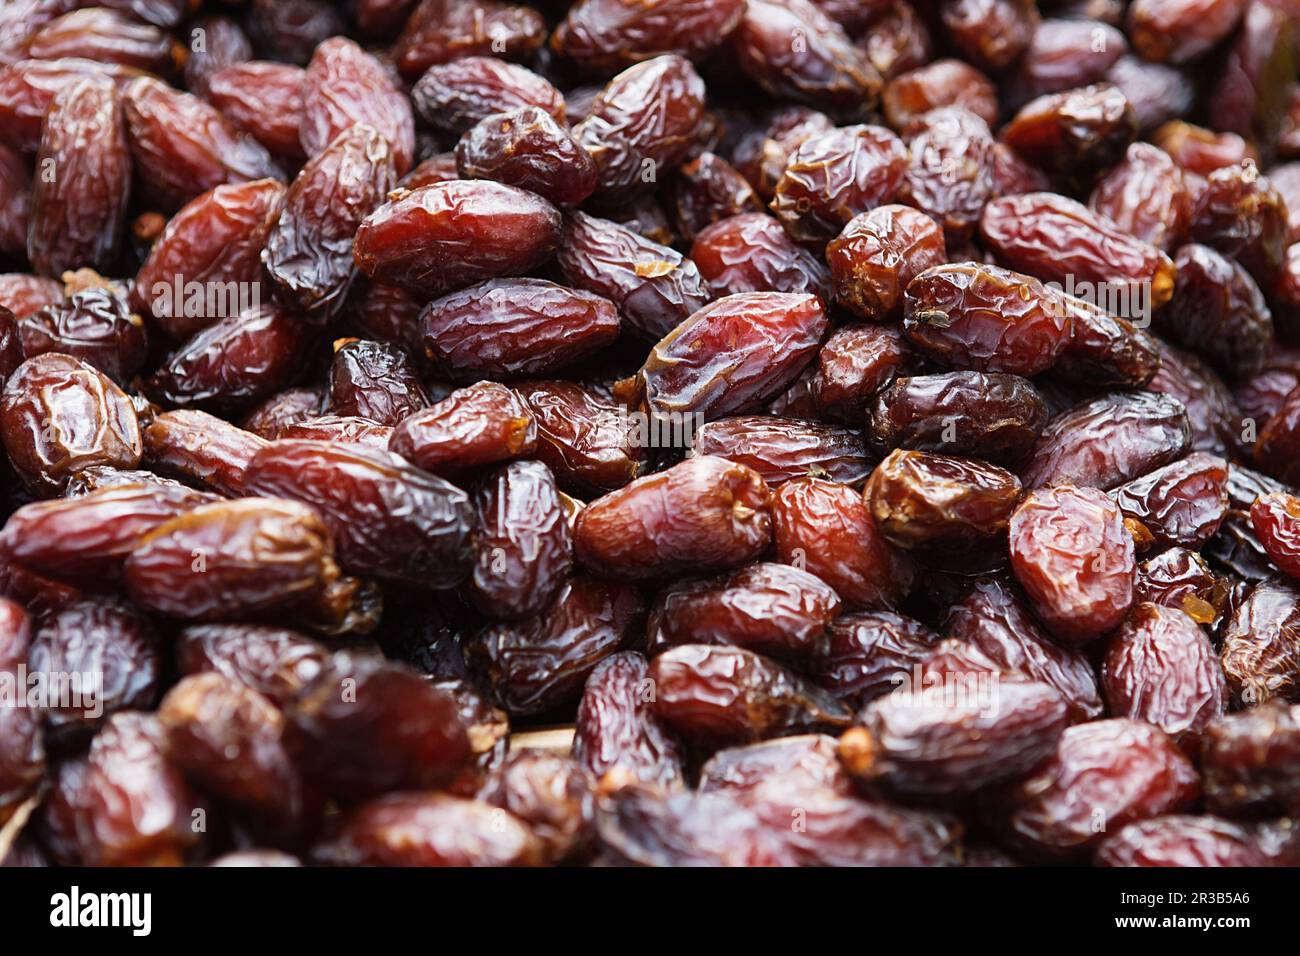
[[650, 432]]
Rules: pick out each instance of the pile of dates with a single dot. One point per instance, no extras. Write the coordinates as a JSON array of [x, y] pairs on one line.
[[656, 432]]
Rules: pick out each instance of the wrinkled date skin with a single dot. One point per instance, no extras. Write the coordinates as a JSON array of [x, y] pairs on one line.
[[769, 339], [720, 696], [1161, 668], [374, 381], [200, 448], [263, 98], [231, 740], [1276, 520], [1061, 240], [183, 147], [78, 207], [616, 735], [481, 424], [512, 328], [235, 362], [985, 318], [454, 96], [607, 35], [825, 71], [523, 547], [230, 560], [529, 149], [217, 237], [345, 86], [389, 520], [1180, 504], [1123, 768], [868, 653], [751, 252], [773, 609], [1218, 312], [994, 416], [780, 449], [92, 325], [89, 536], [452, 234], [923, 501], [1073, 133], [586, 441], [1075, 559], [855, 363], [643, 120], [993, 618], [654, 287], [705, 514], [877, 254], [543, 662], [831, 178], [828, 529], [1261, 645], [1145, 195], [950, 176], [914, 741], [58, 415], [131, 806], [1251, 761], [308, 254], [1184, 840], [1109, 441], [98, 637]]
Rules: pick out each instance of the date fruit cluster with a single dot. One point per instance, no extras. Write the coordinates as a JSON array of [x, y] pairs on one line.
[[650, 432]]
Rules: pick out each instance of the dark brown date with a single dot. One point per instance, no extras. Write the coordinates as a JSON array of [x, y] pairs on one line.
[[513, 328], [828, 529], [58, 415], [937, 502], [308, 253], [523, 547], [985, 318], [753, 253], [877, 254], [1180, 504], [704, 514], [723, 696], [80, 195], [1109, 441], [780, 449], [528, 148], [231, 560], [235, 362], [773, 609], [1118, 771], [1160, 667], [769, 339], [451, 234], [200, 448], [1075, 559], [365, 726], [481, 424], [654, 287], [869, 653], [617, 737], [542, 662], [389, 519], [993, 416], [993, 618], [1251, 762]]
